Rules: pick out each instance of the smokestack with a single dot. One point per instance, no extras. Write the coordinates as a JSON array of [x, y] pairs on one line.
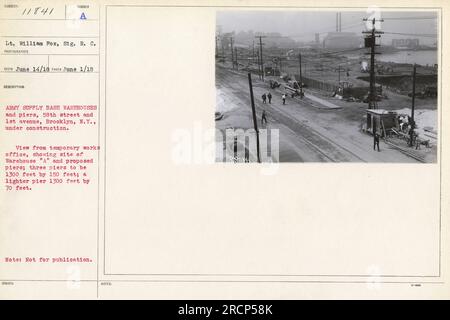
[[337, 21]]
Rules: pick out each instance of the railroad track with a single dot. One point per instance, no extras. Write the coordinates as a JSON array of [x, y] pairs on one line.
[[405, 152], [315, 147], [336, 152], [313, 138], [308, 135]]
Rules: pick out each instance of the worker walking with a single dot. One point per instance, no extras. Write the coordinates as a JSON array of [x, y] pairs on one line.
[[376, 141], [263, 117], [284, 98], [269, 96], [263, 98]]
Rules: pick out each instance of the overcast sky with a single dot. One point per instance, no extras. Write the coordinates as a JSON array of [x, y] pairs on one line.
[[301, 25]]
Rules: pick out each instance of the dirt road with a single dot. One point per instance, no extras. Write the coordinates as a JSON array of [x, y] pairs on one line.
[[307, 134]]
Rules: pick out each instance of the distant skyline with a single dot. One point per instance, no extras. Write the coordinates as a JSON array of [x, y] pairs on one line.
[[302, 25]]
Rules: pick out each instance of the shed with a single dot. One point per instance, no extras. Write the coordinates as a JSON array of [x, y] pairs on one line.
[[381, 121]]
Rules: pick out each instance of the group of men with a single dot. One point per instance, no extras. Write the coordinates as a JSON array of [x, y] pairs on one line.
[[404, 123], [268, 97]]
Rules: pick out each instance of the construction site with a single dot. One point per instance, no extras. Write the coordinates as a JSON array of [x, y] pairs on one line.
[[335, 98]]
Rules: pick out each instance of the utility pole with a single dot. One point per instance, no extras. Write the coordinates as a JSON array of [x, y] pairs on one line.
[[236, 58], [300, 74], [255, 122], [339, 74], [217, 46], [372, 101], [413, 124], [370, 43], [232, 54], [223, 50], [261, 59], [259, 66], [261, 55]]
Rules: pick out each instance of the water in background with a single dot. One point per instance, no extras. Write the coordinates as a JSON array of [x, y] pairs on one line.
[[422, 57]]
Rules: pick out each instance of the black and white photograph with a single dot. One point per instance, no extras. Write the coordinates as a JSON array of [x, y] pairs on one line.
[[321, 176], [327, 86]]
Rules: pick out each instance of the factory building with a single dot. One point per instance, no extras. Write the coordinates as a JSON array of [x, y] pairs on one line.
[[342, 40]]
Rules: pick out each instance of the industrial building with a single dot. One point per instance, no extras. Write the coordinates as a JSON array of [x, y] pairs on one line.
[[342, 40]]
